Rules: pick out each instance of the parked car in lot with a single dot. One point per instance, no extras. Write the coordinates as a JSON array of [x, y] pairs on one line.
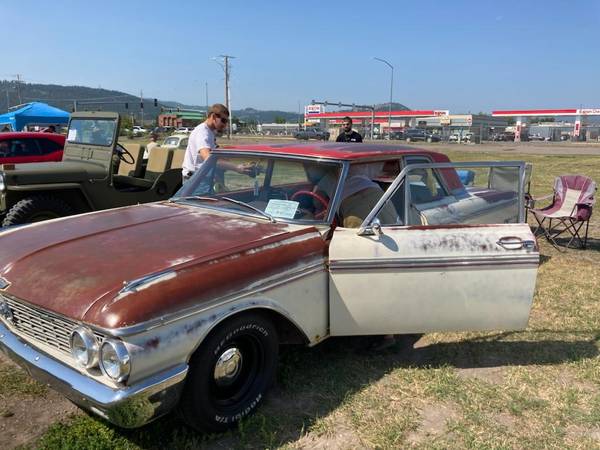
[[176, 141], [536, 137], [396, 135], [137, 130], [20, 148], [416, 134], [256, 251], [94, 173], [504, 136], [312, 133], [184, 130], [163, 130]]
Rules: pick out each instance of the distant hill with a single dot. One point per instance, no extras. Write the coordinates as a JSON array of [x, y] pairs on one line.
[[93, 99]]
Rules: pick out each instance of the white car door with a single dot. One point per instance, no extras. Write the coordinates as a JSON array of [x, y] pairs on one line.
[[392, 278]]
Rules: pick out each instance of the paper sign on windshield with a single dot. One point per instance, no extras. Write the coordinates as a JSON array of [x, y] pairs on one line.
[[285, 209], [72, 135]]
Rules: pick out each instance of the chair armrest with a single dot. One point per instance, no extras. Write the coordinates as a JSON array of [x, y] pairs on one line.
[[530, 200]]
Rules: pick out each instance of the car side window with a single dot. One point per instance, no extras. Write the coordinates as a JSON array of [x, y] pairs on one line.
[[425, 189], [47, 146], [23, 147]]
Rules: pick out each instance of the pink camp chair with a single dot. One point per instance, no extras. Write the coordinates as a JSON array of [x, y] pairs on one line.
[[571, 209]]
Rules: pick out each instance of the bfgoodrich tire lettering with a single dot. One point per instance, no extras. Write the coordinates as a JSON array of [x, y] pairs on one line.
[[35, 209], [230, 373]]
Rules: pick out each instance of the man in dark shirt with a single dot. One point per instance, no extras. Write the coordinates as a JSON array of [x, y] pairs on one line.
[[348, 134]]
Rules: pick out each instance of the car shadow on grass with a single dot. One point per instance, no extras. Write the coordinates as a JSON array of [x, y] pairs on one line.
[[311, 383]]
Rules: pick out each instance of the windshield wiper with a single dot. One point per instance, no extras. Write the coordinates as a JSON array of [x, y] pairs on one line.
[[231, 200], [259, 211]]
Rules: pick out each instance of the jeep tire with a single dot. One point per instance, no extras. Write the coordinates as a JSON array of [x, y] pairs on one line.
[[230, 373], [35, 209]]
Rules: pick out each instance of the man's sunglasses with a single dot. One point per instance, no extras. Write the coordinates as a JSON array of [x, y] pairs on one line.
[[223, 119]]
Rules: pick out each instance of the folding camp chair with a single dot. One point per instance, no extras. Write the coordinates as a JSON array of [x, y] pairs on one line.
[[570, 210]]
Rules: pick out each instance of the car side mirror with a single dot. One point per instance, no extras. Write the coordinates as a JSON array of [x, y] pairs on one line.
[[371, 230]]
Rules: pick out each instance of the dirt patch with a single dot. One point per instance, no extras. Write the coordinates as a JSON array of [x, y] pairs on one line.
[[434, 419], [492, 375], [343, 436], [24, 418]]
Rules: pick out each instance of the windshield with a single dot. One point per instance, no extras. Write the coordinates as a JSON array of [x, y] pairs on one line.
[[92, 131], [286, 189]]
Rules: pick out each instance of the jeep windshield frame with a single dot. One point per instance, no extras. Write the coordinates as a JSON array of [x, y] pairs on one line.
[[92, 138]]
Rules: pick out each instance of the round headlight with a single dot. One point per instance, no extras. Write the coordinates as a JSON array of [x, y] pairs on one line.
[[114, 360], [84, 347], [2, 184]]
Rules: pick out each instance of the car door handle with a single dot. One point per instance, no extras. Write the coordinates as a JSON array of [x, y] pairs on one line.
[[515, 243]]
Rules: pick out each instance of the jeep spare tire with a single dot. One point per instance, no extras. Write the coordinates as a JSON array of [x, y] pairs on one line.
[[35, 209]]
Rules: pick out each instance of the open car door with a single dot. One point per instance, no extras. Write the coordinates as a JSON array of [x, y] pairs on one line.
[[448, 270]]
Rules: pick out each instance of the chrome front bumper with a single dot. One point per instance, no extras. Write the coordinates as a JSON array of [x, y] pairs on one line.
[[127, 407]]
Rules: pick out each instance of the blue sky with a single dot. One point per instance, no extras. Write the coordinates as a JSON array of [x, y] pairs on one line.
[[457, 55]]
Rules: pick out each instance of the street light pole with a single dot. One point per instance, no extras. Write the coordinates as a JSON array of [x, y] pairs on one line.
[[391, 94]]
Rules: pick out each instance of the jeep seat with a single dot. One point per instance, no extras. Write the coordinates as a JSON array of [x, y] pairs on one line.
[[133, 169], [158, 161], [177, 161]]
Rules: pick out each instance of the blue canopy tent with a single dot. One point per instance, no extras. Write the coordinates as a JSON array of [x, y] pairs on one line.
[[35, 113]]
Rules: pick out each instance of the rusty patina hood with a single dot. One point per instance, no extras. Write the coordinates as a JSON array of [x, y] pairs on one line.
[[77, 266]]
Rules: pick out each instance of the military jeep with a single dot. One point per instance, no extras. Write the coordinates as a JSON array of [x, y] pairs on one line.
[[95, 173]]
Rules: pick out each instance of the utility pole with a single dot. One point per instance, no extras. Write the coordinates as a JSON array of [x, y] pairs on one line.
[[142, 106], [225, 67], [18, 77], [206, 92]]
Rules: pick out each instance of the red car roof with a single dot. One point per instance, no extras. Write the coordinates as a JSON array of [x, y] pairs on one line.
[[58, 138], [334, 150]]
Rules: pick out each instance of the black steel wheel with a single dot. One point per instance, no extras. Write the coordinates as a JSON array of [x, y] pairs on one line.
[[230, 373]]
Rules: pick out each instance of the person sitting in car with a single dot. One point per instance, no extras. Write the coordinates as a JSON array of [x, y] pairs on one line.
[[359, 194]]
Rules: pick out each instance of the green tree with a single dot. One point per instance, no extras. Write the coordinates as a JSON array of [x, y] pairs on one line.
[[279, 119]]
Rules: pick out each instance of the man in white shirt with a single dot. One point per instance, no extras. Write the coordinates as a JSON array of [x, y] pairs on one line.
[[202, 139]]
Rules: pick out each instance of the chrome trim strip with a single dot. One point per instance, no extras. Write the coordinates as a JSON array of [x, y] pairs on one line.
[[426, 263], [284, 278], [140, 283], [126, 406]]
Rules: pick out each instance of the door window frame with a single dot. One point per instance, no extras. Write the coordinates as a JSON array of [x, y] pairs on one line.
[[366, 228]]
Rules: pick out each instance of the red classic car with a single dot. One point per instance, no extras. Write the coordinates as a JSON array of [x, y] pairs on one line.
[[17, 148], [135, 311]]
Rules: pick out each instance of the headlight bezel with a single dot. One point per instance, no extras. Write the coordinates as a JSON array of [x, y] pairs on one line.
[[90, 345], [120, 367], [2, 182]]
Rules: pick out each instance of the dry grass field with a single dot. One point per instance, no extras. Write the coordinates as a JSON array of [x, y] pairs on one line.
[[539, 388]]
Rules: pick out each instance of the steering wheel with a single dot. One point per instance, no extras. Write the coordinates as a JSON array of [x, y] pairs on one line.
[[124, 154], [324, 203]]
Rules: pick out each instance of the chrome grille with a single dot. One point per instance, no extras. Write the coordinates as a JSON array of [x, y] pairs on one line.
[[43, 326]]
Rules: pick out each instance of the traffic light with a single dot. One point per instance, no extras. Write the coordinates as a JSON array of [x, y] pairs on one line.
[[141, 105], [155, 103], [126, 105]]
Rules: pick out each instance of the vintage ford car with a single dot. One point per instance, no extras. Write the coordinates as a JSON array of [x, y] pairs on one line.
[[136, 311]]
